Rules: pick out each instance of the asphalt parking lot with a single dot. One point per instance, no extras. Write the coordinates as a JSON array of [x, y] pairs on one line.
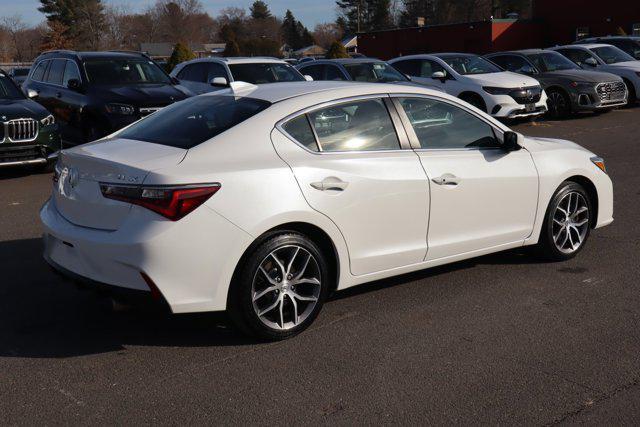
[[499, 339]]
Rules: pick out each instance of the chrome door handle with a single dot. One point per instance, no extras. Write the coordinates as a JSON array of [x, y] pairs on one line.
[[330, 183], [446, 179]]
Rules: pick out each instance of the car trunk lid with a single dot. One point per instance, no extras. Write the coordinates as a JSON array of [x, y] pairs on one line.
[[80, 171]]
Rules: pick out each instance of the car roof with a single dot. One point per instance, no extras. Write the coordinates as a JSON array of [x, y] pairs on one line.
[[343, 61], [612, 38], [584, 45], [276, 92], [93, 54], [239, 60], [443, 55]]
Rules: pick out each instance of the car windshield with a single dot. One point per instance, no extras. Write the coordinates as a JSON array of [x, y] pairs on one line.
[[190, 122], [611, 54], [118, 71], [551, 61], [257, 73], [8, 89], [465, 65], [374, 72]]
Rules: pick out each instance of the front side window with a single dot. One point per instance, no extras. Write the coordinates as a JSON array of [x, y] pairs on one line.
[[315, 71], [122, 71], [466, 65], [363, 125], [551, 61], [70, 73], [611, 54], [216, 70], [56, 71], [578, 56], [374, 72], [257, 73], [333, 73], [8, 90], [439, 125], [194, 73], [193, 121], [513, 63]]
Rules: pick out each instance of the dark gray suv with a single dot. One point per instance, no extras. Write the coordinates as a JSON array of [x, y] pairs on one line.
[[569, 88]]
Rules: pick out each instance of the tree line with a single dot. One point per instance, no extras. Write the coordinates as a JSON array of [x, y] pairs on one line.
[[95, 25]]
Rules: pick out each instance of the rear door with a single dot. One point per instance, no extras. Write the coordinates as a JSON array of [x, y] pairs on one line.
[[482, 197], [353, 164]]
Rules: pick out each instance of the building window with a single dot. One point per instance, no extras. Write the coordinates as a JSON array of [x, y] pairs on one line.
[[636, 30], [582, 32]]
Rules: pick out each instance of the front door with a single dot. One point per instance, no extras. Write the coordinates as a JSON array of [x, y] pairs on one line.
[[482, 196], [350, 166]]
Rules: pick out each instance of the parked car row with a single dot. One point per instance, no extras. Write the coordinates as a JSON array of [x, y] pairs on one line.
[[93, 94]]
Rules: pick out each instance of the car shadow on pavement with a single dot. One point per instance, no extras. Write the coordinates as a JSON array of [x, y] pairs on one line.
[[13, 172], [44, 316]]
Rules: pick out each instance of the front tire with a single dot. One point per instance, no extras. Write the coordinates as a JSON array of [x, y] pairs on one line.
[[280, 288], [559, 104], [567, 223]]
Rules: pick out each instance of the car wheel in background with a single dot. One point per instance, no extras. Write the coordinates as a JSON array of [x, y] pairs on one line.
[[633, 98], [475, 100], [558, 103], [567, 223], [280, 288]]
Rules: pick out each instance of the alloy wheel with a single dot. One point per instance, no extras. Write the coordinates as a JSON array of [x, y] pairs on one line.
[[557, 104], [286, 287], [570, 222]]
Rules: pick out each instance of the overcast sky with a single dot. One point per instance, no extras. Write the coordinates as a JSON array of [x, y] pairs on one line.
[[310, 12]]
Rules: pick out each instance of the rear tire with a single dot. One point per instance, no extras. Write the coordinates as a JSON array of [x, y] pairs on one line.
[[280, 287], [567, 223]]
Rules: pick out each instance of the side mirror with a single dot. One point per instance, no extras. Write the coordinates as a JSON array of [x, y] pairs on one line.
[[510, 141], [219, 81], [528, 70], [439, 75], [308, 78], [32, 93], [591, 62], [73, 84]]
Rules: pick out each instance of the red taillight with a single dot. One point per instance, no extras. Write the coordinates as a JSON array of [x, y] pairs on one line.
[[171, 202]]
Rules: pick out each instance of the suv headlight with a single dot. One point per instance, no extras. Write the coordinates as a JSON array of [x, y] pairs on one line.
[[122, 109], [48, 121], [497, 90]]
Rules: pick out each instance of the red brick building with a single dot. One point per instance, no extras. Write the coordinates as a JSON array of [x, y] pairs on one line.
[[554, 22]]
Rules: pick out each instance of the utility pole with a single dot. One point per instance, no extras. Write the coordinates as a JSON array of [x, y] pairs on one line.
[[359, 6]]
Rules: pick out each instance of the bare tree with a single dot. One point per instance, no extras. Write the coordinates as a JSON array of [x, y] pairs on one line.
[[14, 26], [326, 34]]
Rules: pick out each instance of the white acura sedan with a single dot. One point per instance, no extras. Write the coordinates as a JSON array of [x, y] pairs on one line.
[[262, 200]]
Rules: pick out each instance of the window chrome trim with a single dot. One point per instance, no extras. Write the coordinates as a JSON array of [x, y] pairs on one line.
[[413, 138], [381, 96]]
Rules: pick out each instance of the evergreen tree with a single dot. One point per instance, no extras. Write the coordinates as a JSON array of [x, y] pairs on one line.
[[54, 38], [414, 9], [337, 50], [84, 20], [260, 10], [180, 54], [364, 15], [294, 34]]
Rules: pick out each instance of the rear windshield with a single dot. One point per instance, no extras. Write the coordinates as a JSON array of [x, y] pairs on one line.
[[257, 73], [193, 121]]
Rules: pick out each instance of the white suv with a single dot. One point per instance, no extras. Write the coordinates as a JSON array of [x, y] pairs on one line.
[[477, 81], [211, 74]]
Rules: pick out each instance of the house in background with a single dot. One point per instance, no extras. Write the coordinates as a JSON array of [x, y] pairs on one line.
[[350, 44], [162, 51], [313, 51]]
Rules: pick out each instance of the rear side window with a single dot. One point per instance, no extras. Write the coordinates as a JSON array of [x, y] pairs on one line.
[[300, 130], [56, 71], [193, 121], [38, 73]]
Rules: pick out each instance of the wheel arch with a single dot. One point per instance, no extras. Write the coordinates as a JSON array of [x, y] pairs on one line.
[[313, 232], [591, 190]]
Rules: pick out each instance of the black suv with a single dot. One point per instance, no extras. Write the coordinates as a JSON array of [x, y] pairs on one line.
[[28, 132], [93, 94]]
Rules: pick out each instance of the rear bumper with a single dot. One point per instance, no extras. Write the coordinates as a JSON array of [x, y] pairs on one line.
[[190, 261]]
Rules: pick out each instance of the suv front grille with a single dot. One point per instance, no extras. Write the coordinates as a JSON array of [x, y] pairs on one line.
[[527, 95], [611, 91], [19, 130]]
